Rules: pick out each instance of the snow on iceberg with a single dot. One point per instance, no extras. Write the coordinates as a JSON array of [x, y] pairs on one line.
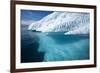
[[81, 30], [68, 22]]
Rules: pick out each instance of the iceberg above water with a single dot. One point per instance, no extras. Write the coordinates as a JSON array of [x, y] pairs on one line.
[[67, 22], [81, 30]]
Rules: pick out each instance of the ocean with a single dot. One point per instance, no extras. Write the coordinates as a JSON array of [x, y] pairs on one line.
[[52, 46]]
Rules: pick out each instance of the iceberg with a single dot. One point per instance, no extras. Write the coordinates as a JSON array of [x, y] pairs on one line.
[[67, 22], [81, 30]]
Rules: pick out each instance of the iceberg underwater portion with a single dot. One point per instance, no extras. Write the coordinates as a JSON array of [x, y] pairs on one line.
[[62, 36], [59, 47]]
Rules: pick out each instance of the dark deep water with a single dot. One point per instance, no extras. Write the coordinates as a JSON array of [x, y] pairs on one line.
[[29, 46], [43, 47]]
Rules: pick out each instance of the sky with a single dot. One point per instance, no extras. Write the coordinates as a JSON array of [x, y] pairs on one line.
[[34, 15]]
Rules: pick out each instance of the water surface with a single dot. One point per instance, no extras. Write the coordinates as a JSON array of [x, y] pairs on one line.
[[52, 46]]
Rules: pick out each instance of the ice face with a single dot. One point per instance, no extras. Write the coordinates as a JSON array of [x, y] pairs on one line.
[[68, 22]]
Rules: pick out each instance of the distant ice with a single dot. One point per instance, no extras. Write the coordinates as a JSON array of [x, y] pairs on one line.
[[27, 22]]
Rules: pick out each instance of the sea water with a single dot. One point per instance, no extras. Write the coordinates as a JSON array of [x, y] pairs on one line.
[[52, 46]]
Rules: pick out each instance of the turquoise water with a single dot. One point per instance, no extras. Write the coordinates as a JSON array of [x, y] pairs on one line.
[[60, 47], [54, 46]]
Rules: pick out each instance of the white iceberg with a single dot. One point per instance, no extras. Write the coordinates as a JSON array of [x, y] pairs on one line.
[[68, 22]]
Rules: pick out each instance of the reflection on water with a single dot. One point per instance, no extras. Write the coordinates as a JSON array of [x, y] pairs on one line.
[[38, 46]]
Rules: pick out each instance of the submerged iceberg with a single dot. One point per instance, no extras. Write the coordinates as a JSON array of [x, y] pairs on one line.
[[68, 22]]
